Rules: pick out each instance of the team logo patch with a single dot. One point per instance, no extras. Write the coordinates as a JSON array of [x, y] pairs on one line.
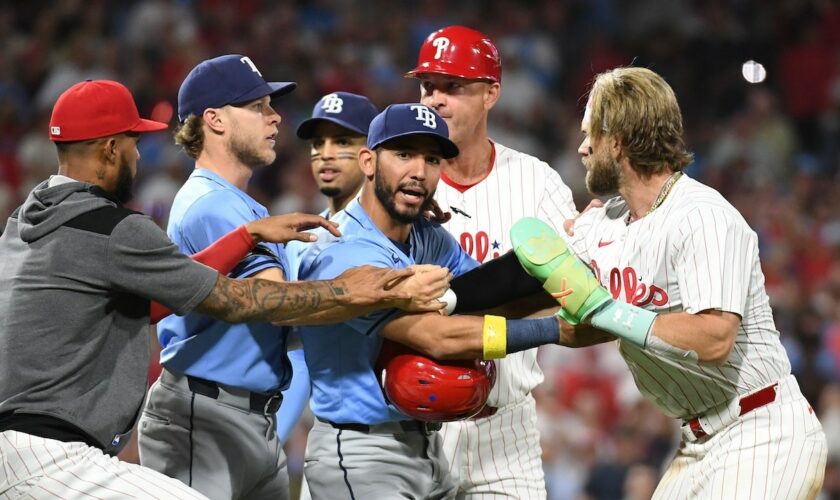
[[332, 104], [247, 60], [441, 44], [425, 115]]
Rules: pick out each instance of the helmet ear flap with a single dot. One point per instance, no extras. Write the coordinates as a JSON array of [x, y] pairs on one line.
[[459, 51], [432, 391]]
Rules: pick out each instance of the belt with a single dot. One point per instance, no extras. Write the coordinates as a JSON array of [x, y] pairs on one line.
[[405, 425], [487, 411], [747, 404], [258, 402]]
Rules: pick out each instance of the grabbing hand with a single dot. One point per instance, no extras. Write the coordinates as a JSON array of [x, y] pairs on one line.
[[436, 214], [424, 287], [414, 288], [289, 227], [569, 224]]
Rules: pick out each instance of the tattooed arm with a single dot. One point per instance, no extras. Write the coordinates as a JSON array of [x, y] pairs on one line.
[[355, 292]]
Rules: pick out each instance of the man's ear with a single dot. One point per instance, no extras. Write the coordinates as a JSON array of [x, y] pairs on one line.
[[492, 95], [367, 162], [215, 119], [615, 147], [109, 150]]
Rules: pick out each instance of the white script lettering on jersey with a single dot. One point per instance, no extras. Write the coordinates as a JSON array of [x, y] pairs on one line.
[[425, 115], [332, 104], [247, 60], [440, 44]]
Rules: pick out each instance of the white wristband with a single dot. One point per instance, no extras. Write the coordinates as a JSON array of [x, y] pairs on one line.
[[450, 299]]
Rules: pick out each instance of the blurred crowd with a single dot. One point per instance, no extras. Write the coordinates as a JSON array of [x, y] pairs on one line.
[[772, 148]]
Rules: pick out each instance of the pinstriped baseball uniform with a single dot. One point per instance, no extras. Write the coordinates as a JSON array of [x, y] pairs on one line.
[[77, 471], [696, 252], [501, 453]]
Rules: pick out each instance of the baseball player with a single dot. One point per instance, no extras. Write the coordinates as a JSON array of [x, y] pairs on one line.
[[77, 275], [360, 446], [210, 419], [487, 188], [337, 131], [677, 279]]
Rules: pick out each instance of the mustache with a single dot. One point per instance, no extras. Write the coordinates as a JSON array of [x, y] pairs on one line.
[[413, 186]]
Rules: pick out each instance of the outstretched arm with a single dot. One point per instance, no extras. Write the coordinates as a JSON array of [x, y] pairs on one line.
[[356, 292], [224, 254]]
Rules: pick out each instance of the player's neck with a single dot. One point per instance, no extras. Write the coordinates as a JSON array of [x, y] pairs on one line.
[[473, 161], [395, 230], [643, 195], [337, 203], [225, 165]]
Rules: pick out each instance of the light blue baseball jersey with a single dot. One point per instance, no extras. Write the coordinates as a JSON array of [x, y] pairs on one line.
[[341, 356], [249, 355]]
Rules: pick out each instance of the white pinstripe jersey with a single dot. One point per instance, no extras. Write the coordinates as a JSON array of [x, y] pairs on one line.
[[517, 186], [694, 252]]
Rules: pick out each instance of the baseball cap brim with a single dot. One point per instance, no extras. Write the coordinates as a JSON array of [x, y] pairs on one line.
[[148, 126], [448, 149], [273, 89], [306, 129]]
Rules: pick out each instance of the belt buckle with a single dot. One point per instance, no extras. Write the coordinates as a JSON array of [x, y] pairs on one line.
[[272, 404]]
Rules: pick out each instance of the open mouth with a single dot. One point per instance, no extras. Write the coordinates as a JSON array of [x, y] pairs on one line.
[[328, 174], [413, 196]]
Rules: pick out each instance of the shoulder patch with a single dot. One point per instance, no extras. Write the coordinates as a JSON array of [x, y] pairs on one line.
[[101, 221]]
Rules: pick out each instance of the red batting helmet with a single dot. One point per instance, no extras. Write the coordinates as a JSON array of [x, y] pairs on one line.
[[434, 391], [459, 51]]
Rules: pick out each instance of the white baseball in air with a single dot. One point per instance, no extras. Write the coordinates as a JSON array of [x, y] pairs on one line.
[[753, 72]]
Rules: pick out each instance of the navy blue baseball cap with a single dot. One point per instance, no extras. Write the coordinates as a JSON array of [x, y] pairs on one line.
[[351, 111], [230, 79], [402, 120]]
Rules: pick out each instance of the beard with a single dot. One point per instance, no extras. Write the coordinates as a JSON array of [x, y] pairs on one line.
[[603, 177], [123, 191], [330, 191], [248, 154], [385, 194]]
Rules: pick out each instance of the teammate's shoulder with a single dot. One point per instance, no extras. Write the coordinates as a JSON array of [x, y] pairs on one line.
[[699, 200], [103, 220], [512, 158]]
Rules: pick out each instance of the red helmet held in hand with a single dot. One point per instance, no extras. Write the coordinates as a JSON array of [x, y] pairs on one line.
[[459, 51], [434, 391]]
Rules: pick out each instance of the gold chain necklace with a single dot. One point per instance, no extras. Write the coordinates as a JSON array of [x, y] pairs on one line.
[[663, 193]]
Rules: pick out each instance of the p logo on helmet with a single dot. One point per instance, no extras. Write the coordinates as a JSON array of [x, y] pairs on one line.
[[441, 43], [459, 51]]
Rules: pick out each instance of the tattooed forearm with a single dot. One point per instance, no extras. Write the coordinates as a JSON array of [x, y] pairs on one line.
[[306, 302]]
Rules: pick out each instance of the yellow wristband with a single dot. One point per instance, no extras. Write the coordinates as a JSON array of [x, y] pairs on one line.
[[495, 337]]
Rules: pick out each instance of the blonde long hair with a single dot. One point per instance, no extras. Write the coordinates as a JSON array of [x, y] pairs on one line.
[[639, 108]]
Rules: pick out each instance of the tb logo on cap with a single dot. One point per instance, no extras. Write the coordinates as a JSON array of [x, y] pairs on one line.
[[247, 60], [440, 43], [332, 104], [425, 115]]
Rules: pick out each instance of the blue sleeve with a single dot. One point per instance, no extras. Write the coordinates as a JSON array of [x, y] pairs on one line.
[[339, 257], [448, 252], [295, 397], [216, 214]]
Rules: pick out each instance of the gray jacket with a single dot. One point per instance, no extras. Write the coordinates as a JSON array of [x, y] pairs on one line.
[[77, 273]]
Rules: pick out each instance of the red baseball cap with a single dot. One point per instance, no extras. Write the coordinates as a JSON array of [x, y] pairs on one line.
[[97, 108]]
